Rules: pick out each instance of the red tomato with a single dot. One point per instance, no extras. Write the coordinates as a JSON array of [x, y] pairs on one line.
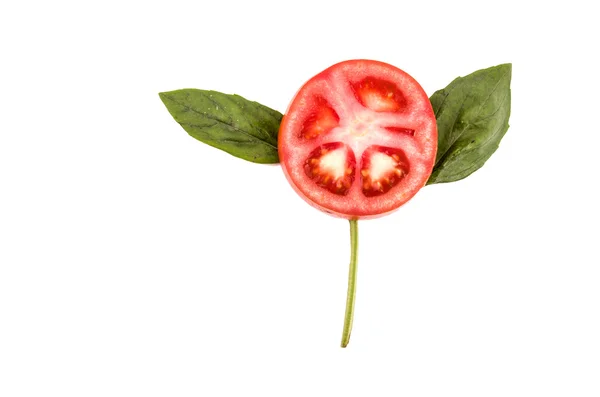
[[359, 139]]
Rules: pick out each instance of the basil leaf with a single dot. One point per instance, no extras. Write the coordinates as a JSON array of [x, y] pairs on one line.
[[240, 127], [472, 117]]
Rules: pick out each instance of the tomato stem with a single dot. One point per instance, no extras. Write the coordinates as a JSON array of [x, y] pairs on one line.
[[349, 316]]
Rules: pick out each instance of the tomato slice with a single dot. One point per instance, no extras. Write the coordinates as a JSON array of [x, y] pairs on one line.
[[359, 139]]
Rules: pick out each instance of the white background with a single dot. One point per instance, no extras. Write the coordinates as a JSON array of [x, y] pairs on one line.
[[136, 261]]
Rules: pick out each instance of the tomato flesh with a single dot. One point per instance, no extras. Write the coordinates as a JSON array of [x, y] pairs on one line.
[[321, 122], [359, 139], [332, 166], [379, 95], [382, 169]]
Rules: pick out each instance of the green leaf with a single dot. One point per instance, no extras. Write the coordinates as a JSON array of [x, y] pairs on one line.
[[472, 117], [240, 127]]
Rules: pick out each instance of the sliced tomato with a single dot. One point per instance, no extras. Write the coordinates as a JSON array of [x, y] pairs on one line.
[[359, 139]]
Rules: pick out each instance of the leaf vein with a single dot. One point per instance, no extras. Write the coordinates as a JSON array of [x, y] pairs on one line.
[[218, 121]]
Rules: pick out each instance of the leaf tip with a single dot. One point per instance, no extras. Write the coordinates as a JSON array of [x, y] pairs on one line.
[[507, 67], [162, 96]]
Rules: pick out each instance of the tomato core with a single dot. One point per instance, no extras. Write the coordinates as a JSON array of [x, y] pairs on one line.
[[359, 139]]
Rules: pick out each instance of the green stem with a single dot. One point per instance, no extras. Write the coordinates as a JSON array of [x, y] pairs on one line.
[[351, 284]]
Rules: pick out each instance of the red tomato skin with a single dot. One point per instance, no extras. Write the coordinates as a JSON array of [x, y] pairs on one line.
[[350, 211]]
